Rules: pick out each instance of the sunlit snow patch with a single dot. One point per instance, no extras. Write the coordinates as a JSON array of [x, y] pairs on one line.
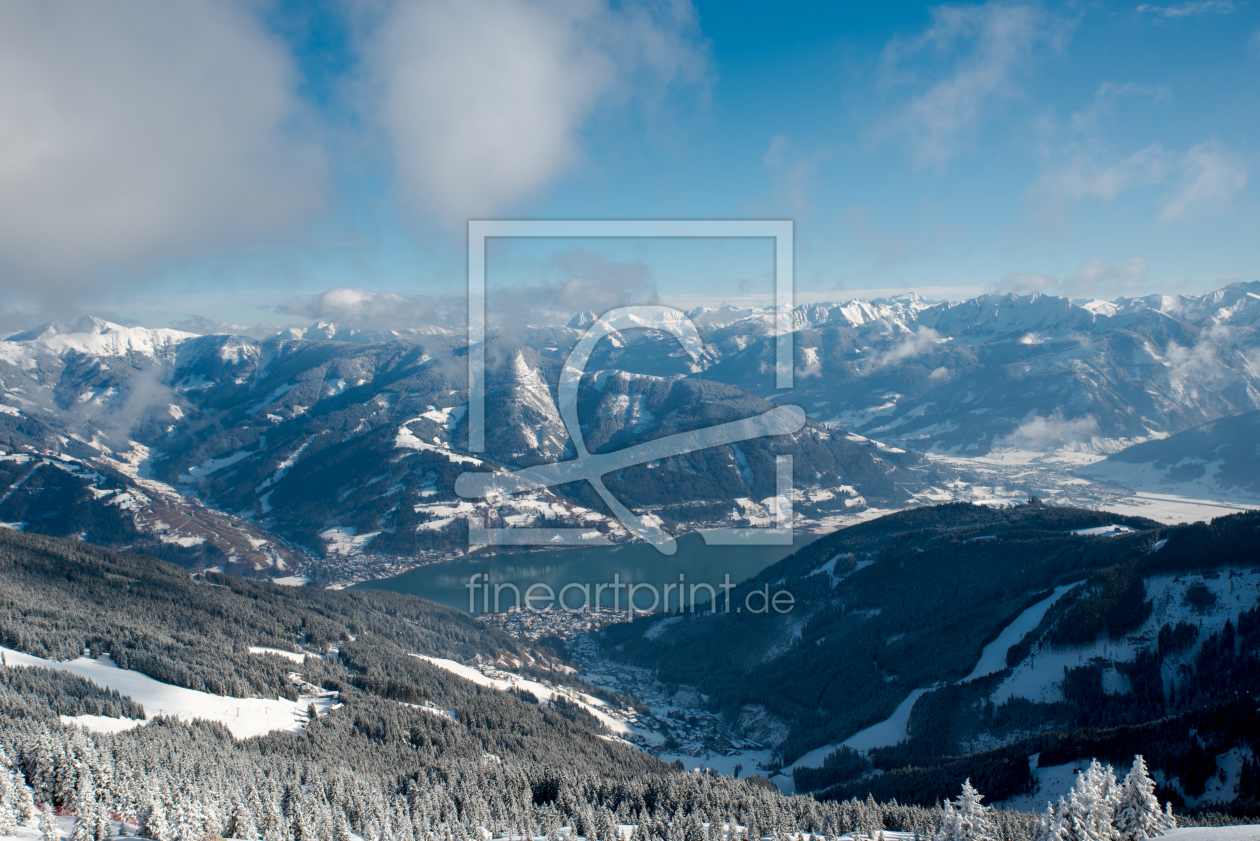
[[244, 717]]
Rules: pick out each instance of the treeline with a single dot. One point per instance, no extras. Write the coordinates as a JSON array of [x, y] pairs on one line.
[[65, 694], [913, 773], [1210, 693], [59, 597], [920, 614], [919, 594]]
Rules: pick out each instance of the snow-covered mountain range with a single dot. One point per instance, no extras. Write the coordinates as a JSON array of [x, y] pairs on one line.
[[337, 441]]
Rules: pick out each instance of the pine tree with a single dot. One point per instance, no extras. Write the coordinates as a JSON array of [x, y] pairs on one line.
[[101, 827], [1090, 807], [25, 808], [1045, 825], [1138, 815], [48, 829], [951, 826], [975, 821], [343, 827], [8, 803], [154, 824], [241, 823], [84, 826]]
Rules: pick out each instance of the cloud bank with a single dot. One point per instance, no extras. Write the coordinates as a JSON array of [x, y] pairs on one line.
[[987, 47], [484, 103], [134, 131]]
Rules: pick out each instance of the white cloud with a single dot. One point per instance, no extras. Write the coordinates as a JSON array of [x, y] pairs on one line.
[[794, 173], [1200, 363], [1100, 278], [911, 346], [354, 307], [484, 103], [1190, 9], [136, 130], [1080, 165], [1086, 177], [990, 44], [1211, 176], [583, 282], [1096, 278], [1027, 283], [1049, 433]]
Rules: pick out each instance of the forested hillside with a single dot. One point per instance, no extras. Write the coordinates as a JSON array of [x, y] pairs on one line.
[[411, 751], [1155, 632]]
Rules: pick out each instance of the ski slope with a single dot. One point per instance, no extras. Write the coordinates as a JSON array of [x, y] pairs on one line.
[[504, 681], [243, 717]]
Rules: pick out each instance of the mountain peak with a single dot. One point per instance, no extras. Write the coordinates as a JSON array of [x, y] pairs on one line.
[[97, 337]]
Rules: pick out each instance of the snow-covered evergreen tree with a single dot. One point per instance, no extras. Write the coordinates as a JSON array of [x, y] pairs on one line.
[[974, 819], [951, 827], [241, 823], [1050, 824], [154, 824], [100, 822], [83, 823], [1090, 807], [48, 829], [8, 803], [1138, 815], [25, 806]]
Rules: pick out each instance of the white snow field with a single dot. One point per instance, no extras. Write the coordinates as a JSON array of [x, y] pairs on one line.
[[503, 681], [279, 652], [1246, 832], [243, 717], [1040, 676], [993, 657], [892, 730]]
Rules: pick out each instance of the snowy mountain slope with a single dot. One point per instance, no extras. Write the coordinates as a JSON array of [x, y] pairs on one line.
[[345, 444], [93, 337], [1217, 459], [244, 717], [350, 450], [935, 633]]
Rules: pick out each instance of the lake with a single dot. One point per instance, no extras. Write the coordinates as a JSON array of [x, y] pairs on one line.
[[567, 570]]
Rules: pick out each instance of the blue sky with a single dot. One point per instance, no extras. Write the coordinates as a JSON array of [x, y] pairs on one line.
[[237, 161]]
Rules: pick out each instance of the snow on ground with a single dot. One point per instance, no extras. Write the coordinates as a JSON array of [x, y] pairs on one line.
[[1006, 476], [1172, 509], [1039, 677], [292, 581], [1247, 832], [503, 681], [890, 731], [993, 657], [213, 465], [448, 417], [279, 652], [1049, 784], [1104, 531], [244, 717], [406, 439], [344, 542]]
